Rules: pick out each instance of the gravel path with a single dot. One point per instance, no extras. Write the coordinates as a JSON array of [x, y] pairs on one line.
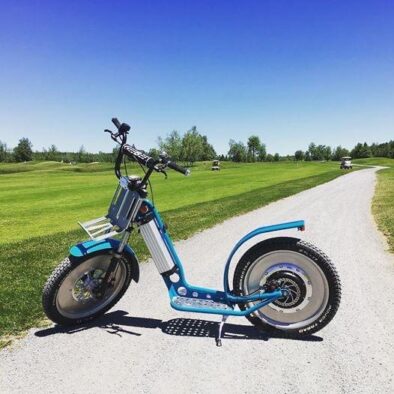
[[144, 346]]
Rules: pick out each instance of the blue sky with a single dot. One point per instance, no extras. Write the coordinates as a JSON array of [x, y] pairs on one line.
[[291, 72]]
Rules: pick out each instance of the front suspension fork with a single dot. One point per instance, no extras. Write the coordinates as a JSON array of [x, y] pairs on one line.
[[110, 274]]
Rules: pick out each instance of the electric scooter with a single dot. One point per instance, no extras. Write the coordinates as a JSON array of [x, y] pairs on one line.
[[280, 284]]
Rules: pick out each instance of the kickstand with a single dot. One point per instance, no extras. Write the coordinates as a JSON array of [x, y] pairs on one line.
[[218, 338]]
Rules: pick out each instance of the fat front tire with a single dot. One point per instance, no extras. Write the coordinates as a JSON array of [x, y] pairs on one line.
[[306, 272], [67, 296]]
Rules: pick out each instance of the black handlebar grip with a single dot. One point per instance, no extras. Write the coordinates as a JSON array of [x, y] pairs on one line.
[[176, 167], [116, 122], [138, 155]]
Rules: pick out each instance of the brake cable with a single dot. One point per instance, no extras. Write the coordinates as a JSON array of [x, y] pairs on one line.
[[125, 166], [149, 183], [114, 137]]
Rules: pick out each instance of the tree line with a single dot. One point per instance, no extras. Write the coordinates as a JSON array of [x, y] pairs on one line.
[[360, 151], [24, 152], [254, 150], [189, 147], [193, 146]]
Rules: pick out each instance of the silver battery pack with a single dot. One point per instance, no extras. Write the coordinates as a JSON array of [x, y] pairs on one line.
[[157, 247]]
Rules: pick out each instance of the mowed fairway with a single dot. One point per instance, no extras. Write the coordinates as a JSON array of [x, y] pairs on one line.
[[41, 203], [53, 197]]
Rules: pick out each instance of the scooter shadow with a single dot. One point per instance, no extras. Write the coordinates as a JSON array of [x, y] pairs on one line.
[[117, 323]]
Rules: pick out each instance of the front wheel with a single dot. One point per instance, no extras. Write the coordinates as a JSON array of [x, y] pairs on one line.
[[69, 294], [308, 275]]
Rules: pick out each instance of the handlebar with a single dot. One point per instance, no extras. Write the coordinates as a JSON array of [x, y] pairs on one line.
[[116, 122], [176, 167], [140, 156], [152, 163]]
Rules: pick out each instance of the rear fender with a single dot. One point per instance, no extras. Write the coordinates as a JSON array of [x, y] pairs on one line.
[[299, 224], [92, 247]]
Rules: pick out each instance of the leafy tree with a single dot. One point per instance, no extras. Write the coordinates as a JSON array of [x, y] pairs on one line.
[[319, 152], [299, 155], [385, 149], [276, 157], [254, 146], [361, 151], [23, 151], [312, 151], [326, 152], [80, 156], [208, 151], [114, 154], [155, 153], [102, 157], [237, 151], [192, 146], [3, 151], [52, 153], [308, 156], [339, 152], [172, 145], [269, 157], [390, 149], [374, 149], [262, 153]]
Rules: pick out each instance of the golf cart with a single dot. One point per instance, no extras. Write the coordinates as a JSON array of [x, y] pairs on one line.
[[215, 165], [346, 163]]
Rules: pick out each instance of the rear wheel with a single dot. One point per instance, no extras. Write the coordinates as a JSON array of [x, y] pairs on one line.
[[69, 295], [308, 275]]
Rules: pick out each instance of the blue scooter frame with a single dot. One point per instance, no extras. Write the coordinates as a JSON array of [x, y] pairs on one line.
[[221, 297], [178, 286]]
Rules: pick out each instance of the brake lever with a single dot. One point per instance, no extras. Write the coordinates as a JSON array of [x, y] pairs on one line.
[[114, 136], [161, 170]]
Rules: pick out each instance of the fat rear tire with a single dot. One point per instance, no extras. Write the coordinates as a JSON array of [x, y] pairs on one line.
[[310, 255]]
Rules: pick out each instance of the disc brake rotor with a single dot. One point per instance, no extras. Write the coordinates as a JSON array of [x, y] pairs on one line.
[[84, 287], [293, 285], [294, 282]]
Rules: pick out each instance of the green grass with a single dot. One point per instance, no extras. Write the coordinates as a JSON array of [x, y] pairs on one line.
[[12, 168], [40, 208], [375, 161], [383, 204], [48, 201], [383, 201]]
